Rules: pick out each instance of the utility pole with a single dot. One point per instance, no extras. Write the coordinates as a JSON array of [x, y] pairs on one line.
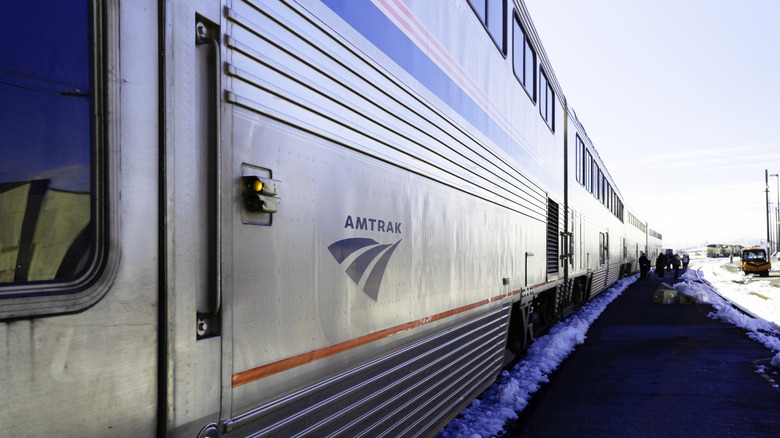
[[777, 212], [766, 179]]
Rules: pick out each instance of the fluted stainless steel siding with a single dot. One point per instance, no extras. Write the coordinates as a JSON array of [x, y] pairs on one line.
[[406, 393]]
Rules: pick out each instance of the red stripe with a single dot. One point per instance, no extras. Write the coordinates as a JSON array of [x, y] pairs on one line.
[[279, 366]]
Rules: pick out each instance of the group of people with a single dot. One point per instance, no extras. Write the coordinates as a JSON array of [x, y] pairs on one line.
[[665, 262]]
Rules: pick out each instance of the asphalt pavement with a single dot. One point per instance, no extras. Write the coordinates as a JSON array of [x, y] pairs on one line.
[[651, 370]]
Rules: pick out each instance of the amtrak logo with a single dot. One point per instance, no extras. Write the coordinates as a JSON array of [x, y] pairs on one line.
[[372, 250]]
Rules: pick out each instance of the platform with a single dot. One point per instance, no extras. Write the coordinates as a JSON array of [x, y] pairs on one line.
[[649, 370]]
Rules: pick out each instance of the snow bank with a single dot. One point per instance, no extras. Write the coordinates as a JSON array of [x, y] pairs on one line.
[[510, 394], [748, 291], [759, 330]]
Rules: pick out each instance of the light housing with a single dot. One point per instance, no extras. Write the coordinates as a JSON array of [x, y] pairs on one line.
[[259, 194]]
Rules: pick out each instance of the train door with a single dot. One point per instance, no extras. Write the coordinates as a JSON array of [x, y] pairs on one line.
[[194, 194]]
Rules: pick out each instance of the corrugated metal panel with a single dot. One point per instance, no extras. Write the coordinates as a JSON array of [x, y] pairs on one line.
[[598, 282], [613, 274], [407, 393]]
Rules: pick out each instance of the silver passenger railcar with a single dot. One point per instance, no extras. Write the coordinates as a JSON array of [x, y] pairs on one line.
[[285, 217]]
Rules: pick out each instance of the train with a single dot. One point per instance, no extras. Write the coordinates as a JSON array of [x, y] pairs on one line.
[[715, 250], [231, 218]]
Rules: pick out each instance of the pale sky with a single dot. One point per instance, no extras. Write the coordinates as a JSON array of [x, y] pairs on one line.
[[682, 100]]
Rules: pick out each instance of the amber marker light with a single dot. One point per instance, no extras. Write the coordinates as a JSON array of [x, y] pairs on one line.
[[258, 194], [253, 184]]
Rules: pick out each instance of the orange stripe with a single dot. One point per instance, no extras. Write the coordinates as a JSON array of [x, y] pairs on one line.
[[262, 371]]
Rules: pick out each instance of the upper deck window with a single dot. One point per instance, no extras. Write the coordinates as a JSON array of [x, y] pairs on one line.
[[546, 100], [523, 59], [492, 14], [588, 171], [47, 154], [580, 160]]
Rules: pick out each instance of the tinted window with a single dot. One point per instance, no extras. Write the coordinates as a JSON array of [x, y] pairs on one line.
[[492, 14], [589, 172], [523, 58], [530, 69], [495, 22], [578, 160], [480, 7], [546, 101], [47, 204]]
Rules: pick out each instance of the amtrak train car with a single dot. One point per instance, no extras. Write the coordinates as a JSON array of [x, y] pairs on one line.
[[654, 242], [230, 218]]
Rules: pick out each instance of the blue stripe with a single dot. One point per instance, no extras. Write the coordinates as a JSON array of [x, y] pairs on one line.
[[377, 28]]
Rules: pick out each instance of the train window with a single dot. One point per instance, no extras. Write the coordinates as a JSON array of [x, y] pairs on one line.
[[588, 172], [599, 183], [611, 198], [546, 100], [581, 160], [601, 186], [480, 7], [523, 59], [48, 201], [603, 193], [602, 248], [578, 160], [612, 201], [594, 180], [492, 14]]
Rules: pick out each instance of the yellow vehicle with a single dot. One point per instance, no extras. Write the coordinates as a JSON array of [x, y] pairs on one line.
[[755, 260]]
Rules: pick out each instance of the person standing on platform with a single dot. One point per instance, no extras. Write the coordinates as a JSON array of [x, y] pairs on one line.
[[644, 266], [660, 262], [685, 261], [676, 266]]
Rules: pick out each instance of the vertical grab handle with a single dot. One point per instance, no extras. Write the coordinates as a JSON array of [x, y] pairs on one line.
[[208, 322]]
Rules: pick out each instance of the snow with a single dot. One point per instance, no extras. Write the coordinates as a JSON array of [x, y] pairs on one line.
[[748, 291], [511, 393], [757, 297]]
